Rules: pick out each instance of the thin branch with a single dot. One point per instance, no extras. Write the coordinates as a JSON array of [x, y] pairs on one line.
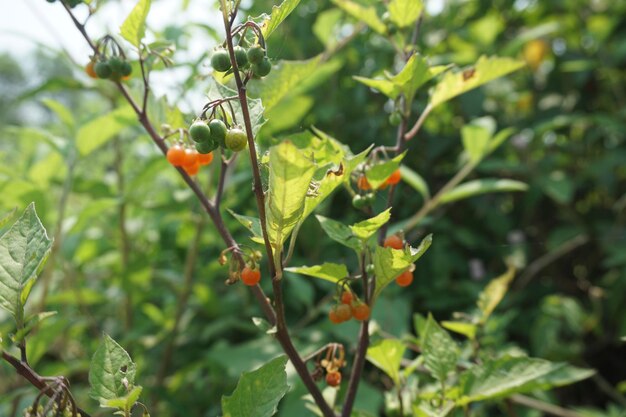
[[545, 407], [418, 124]]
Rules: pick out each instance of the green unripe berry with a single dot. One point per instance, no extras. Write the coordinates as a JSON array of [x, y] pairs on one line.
[[126, 69], [262, 68], [236, 140], [395, 118], [220, 61], [206, 147], [369, 268], [369, 198], [116, 64], [218, 131], [103, 69], [240, 56], [358, 202], [256, 54], [200, 132]]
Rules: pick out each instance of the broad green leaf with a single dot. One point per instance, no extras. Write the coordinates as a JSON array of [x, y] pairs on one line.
[[491, 296], [365, 14], [134, 27], [63, 113], [279, 13], [440, 351], [216, 91], [289, 180], [476, 137], [112, 372], [389, 263], [466, 329], [6, 218], [415, 180], [367, 228], [328, 271], [378, 174], [123, 403], [30, 324], [258, 392], [339, 232], [253, 224], [510, 375], [325, 27], [99, 131], [486, 69], [286, 114], [23, 251], [484, 186], [405, 12], [499, 138], [387, 356]]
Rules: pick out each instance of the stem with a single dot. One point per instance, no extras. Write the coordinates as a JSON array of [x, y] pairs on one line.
[[547, 408], [418, 124]]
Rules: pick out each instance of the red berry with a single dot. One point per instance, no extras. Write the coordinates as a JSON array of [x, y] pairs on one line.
[[205, 158], [192, 169], [191, 157], [393, 241], [347, 297], [250, 276], [333, 378], [405, 278], [363, 184], [361, 312], [394, 178], [332, 315], [344, 312], [176, 155]]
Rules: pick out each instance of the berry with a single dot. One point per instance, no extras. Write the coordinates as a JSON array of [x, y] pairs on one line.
[[205, 148], [347, 297], [395, 118], [361, 312], [103, 69], [370, 268], [200, 132], [332, 315], [394, 178], [191, 157], [240, 56], [250, 276], [205, 158], [192, 169], [333, 378], [236, 140], [393, 241], [262, 68], [363, 184], [116, 64], [358, 201], [369, 198], [218, 131], [220, 61], [89, 69], [176, 155], [256, 54], [405, 278], [126, 69], [344, 312]]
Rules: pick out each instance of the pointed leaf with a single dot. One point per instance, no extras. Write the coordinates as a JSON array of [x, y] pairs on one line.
[[63, 113], [484, 186], [367, 228], [486, 69], [112, 372], [23, 251], [466, 329], [387, 356], [440, 351], [328, 271], [476, 138], [279, 13], [405, 12], [99, 131], [339, 232], [258, 392], [134, 27], [378, 174], [253, 224], [494, 293], [365, 14]]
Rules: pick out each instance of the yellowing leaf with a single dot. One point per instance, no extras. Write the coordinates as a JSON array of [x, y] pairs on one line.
[[405, 12], [134, 27], [279, 13], [494, 293], [365, 14]]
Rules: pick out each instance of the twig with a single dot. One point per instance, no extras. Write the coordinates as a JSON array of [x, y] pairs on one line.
[[418, 124], [548, 408]]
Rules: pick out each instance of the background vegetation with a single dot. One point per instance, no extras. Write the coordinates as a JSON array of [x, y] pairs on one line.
[[132, 246]]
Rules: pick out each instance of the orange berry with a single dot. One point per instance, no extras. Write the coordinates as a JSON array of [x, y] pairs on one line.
[[363, 184], [332, 315], [176, 155], [347, 297], [394, 178], [361, 312], [192, 169], [405, 278], [191, 157], [344, 312], [393, 241], [205, 158], [333, 378], [90, 70], [250, 276]]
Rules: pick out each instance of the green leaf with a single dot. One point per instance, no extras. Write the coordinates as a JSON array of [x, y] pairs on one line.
[[6, 218], [365, 14], [111, 373], [253, 224], [378, 174], [486, 69], [389, 263], [440, 351], [63, 113], [23, 251], [466, 329], [289, 180], [99, 131], [216, 91], [366, 229], [123, 403], [30, 324], [279, 13], [258, 392], [476, 137], [387, 356], [339, 232], [510, 375], [134, 27], [484, 186], [491, 296], [328, 271], [405, 12], [326, 26], [415, 180]]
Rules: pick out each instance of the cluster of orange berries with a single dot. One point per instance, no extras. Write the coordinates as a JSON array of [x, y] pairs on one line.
[[395, 242], [366, 197], [188, 159], [349, 306]]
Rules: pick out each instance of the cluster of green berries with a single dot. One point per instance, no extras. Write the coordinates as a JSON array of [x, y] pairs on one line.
[[54, 411], [253, 58], [115, 68], [70, 3], [209, 136]]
